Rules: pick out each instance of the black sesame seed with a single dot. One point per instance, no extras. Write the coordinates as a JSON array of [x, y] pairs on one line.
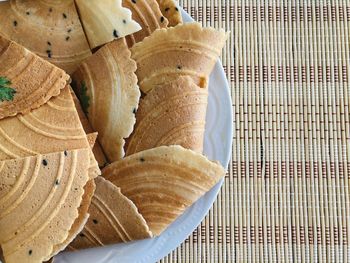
[[28, 13], [167, 9], [49, 53], [134, 1], [15, 23], [124, 21], [67, 38], [76, 189], [142, 159], [65, 153], [115, 33], [64, 15], [95, 221], [30, 252], [50, 9], [57, 182], [176, 9], [81, 235], [179, 67], [49, 43], [45, 162], [69, 30], [134, 110], [162, 19]]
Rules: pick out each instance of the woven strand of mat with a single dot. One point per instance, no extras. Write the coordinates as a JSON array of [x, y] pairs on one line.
[[286, 197]]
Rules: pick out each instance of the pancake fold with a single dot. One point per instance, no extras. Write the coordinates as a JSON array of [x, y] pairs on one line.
[[163, 182], [113, 219], [39, 201], [50, 29], [107, 88], [170, 114], [32, 80], [183, 50]]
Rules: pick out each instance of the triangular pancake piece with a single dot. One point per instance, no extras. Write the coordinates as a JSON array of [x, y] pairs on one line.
[[107, 88], [171, 11], [105, 20], [187, 49], [31, 80], [51, 29], [171, 114], [53, 127], [97, 149], [148, 15], [113, 219], [39, 201], [163, 182]]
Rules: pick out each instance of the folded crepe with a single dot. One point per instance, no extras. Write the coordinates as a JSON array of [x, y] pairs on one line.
[[171, 11], [148, 15], [170, 114], [51, 29], [113, 219], [186, 49], [53, 127], [26, 80], [105, 20], [97, 149], [107, 88], [163, 182], [39, 200]]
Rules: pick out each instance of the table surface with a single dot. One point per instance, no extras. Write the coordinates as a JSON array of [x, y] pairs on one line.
[[286, 194]]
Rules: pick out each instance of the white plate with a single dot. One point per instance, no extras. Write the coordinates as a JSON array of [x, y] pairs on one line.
[[217, 146]]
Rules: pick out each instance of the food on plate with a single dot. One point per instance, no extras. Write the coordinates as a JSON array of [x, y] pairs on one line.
[[20, 92], [113, 219], [171, 11], [107, 88], [52, 196], [186, 49], [170, 114], [148, 15], [51, 29], [39, 200], [163, 182], [105, 20]]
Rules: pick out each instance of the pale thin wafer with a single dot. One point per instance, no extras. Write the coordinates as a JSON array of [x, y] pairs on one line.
[[39, 201], [113, 219], [51, 29], [171, 11], [106, 20], [163, 182], [33, 79], [107, 85], [186, 49], [148, 15], [171, 114]]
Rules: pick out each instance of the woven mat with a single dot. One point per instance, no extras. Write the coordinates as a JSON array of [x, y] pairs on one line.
[[286, 197]]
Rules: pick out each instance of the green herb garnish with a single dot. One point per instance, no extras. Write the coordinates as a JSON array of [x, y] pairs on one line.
[[83, 97], [6, 92]]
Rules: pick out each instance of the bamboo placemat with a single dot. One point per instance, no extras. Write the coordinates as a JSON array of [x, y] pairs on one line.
[[286, 197]]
